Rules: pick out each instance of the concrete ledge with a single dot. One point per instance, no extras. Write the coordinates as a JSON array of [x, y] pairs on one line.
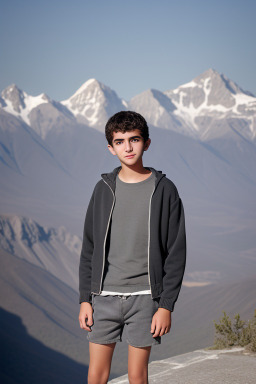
[[223, 366]]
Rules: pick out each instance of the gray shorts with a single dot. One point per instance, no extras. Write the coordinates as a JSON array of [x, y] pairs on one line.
[[112, 313]]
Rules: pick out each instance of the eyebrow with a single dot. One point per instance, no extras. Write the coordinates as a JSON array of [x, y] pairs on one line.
[[133, 137]]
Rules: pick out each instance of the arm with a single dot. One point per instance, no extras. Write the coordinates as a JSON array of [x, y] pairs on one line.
[[175, 261], [174, 268], [86, 255]]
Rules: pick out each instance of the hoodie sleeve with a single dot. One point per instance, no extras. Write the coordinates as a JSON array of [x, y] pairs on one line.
[[86, 255], [174, 265]]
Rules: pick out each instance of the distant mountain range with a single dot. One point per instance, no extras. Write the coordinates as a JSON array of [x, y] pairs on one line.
[[208, 107], [203, 137]]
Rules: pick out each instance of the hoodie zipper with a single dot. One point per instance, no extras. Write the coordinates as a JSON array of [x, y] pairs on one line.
[[104, 245], [149, 216]]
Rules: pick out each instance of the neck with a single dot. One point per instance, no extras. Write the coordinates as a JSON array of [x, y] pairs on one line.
[[133, 173]]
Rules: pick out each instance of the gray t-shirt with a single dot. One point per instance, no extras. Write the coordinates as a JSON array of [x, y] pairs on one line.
[[126, 265]]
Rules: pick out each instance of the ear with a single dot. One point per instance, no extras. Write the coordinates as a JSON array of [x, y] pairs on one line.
[[147, 144], [111, 149]]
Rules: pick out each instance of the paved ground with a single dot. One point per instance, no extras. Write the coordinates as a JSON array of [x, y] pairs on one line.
[[230, 366]]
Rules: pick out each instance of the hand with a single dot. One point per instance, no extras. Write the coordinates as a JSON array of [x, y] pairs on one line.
[[85, 316], [161, 322]]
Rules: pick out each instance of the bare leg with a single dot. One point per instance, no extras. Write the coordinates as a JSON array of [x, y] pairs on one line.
[[100, 362], [138, 358]]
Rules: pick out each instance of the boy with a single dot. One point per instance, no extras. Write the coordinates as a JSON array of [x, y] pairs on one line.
[[133, 254]]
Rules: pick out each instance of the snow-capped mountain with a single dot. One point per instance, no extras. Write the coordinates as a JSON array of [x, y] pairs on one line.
[[158, 110], [93, 103], [40, 112], [208, 107], [53, 250], [208, 100], [19, 103]]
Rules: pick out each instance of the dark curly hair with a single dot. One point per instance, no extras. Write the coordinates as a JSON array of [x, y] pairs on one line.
[[124, 121]]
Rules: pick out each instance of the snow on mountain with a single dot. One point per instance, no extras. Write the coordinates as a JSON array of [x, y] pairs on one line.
[[53, 250], [209, 106], [212, 97], [39, 112], [158, 110], [93, 103], [19, 103]]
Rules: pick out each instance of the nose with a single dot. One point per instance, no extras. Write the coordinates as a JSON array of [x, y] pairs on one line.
[[128, 146]]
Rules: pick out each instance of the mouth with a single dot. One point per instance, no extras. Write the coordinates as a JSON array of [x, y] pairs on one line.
[[129, 156]]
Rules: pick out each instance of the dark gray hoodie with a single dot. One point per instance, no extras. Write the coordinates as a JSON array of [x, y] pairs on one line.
[[166, 240]]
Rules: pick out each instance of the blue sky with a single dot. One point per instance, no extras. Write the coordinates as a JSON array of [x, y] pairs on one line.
[[55, 46]]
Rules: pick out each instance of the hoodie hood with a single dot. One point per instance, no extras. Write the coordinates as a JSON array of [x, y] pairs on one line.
[[110, 178]]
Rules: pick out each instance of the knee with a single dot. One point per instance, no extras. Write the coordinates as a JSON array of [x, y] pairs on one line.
[[97, 377], [138, 377]]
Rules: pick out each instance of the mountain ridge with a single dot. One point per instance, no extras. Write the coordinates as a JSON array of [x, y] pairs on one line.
[[194, 108]]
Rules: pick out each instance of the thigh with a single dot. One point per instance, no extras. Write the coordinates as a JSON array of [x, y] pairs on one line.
[[100, 361], [138, 358], [139, 312]]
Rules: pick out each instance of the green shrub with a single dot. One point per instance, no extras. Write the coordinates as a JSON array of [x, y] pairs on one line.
[[230, 333]]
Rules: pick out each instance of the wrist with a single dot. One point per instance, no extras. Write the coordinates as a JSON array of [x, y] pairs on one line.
[[165, 309]]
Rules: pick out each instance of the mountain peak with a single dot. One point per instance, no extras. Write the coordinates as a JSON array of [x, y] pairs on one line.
[[88, 84], [211, 72], [17, 102], [45, 97], [209, 90], [11, 88], [212, 96], [14, 96], [93, 103], [220, 81]]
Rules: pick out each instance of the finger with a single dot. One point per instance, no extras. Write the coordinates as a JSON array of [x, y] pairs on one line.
[[83, 324], [162, 331], [90, 320], [87, 326], [153, 325], [157, 331]]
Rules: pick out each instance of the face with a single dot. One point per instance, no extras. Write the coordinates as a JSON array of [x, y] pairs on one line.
[[128, 146]]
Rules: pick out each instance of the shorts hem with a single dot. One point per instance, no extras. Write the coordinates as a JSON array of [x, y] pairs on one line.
[[104, 342], [143, 346]]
